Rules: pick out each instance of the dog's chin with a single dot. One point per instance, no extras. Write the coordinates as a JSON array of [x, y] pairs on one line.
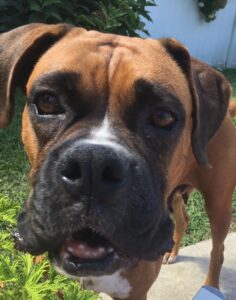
[[86, 253]]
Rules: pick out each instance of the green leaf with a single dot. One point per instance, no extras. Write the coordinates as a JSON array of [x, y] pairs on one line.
[[54, 15], [35, 17], [3, 3], [103, 15], [67, 6], [18, 5], [34, 6], [51, 2]]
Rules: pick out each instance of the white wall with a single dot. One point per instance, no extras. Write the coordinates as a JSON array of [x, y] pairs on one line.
[[214, 42]]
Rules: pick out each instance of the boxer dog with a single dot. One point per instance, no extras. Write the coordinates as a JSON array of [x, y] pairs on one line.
[[114, 127]]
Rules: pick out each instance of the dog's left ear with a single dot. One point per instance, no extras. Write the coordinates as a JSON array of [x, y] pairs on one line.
[[210, 93], [20, 49]]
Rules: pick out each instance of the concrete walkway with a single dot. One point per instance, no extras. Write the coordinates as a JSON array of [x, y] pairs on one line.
[[182, 280]]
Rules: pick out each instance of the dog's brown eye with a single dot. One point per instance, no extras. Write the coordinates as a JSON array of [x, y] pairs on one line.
[[163, 119], [48, 104]]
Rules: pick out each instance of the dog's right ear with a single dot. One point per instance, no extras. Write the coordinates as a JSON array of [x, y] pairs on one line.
[[210, 94], [19, 51]]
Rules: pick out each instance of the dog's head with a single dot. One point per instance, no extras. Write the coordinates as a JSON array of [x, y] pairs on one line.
[[110, 126]]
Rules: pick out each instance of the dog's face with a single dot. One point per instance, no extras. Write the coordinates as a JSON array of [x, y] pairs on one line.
[[109, 133], [107, 125]]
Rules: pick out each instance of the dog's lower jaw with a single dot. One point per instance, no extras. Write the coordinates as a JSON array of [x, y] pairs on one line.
[[128, 284], [113, 285]]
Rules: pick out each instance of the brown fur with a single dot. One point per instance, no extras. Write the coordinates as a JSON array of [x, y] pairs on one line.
[[165, 61]]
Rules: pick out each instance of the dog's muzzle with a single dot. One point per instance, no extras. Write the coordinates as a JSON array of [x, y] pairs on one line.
[[95, 170], [95, 210]]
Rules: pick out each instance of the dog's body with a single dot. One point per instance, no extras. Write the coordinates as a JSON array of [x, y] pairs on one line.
[[114, 128]]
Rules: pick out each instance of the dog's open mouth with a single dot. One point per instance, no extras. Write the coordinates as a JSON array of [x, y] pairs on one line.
[[89, 253]]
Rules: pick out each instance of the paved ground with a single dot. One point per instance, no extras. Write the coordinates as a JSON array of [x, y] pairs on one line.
[[182, 280]]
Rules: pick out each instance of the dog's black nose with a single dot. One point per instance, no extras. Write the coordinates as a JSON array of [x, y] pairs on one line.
[[90, 169]]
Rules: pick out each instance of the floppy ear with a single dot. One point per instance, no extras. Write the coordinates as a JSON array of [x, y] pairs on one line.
[[19, 50], [210, 93]]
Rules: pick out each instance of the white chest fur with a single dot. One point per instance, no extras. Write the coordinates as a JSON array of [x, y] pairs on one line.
[[114, 285]]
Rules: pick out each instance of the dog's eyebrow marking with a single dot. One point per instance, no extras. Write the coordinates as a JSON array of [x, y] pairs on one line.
[[63, 79], [145, 85], [148, 90]]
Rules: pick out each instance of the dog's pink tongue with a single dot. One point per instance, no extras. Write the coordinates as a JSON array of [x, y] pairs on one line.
[[83, 250]]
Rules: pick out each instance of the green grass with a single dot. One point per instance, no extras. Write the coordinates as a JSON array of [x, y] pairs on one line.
[[199, 227], [231, 76], [20, 278]]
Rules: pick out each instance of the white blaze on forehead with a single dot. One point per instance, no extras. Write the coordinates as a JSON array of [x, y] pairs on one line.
[[105, 135], [114, 285], [104, 132]]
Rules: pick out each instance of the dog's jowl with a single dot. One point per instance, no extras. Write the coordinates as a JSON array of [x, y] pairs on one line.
[[114, 128]]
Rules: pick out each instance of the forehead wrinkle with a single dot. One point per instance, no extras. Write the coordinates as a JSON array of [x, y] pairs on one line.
[[122, 54], [113, 66]]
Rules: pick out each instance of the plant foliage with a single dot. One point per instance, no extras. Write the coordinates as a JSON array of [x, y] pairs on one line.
[[21, 277], [116, 16], [210, 7]]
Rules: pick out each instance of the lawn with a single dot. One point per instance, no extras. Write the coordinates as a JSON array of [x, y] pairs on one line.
[[199, 228], [20, 278], [231, 76]]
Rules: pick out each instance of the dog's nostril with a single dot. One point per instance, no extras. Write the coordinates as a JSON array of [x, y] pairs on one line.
[[72, 172], [110, 174]]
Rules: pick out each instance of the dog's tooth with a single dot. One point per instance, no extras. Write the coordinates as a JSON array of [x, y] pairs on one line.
[[70, 249], [64, 254], [81, 246], [95, 254], [87, 253], [101, 250], [116, 256], [110, 249]]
